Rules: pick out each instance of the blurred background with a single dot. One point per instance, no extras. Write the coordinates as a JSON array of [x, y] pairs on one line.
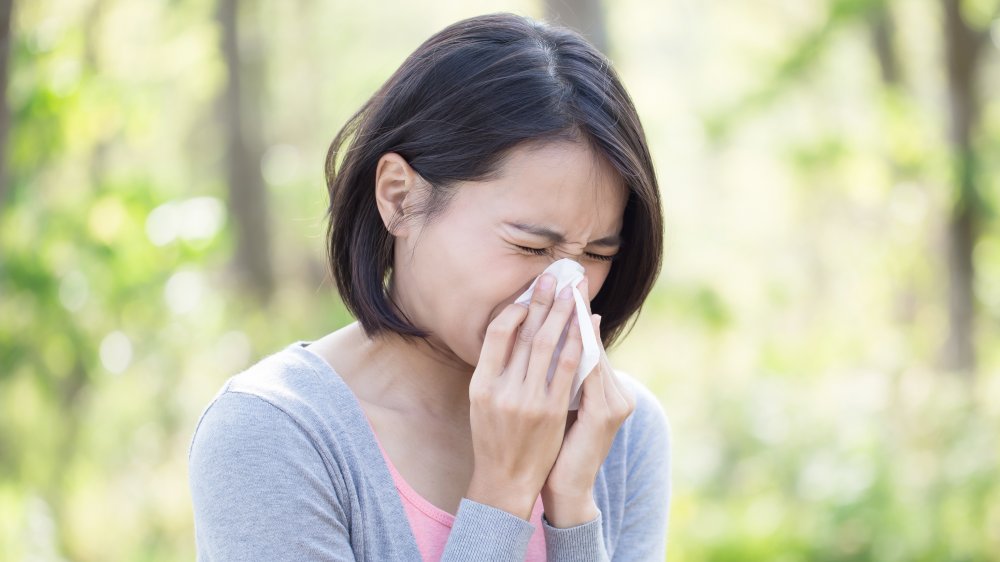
[[824, 336]]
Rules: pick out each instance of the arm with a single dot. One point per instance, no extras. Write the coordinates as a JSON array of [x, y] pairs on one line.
[[581, 543], [260, 489], [647, 496], [647, 488], [484, 532]]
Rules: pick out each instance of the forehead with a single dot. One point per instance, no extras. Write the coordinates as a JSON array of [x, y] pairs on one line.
[[564, 184]]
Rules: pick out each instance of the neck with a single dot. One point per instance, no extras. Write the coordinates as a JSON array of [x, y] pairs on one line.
[[410, 376]]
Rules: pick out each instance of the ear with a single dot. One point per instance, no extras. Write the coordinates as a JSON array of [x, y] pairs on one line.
[[395, 186]]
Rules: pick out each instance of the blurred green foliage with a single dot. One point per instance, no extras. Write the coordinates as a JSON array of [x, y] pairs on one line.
[[793, 336]]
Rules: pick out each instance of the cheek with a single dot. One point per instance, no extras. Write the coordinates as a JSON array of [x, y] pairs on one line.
[[595, 279], [500, 281]]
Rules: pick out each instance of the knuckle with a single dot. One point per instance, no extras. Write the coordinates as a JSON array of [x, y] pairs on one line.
[[540, 298], [544, 340], [507, 406], [574, 334], [526, 335], [514, 309], [477, 393], [515, 313], [621, 419], [568, 361], [563, 306], [507, 321], [481, 399], [532, 412], [574, 344]]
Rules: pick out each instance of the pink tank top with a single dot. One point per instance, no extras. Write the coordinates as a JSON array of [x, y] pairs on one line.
[[431, 524]]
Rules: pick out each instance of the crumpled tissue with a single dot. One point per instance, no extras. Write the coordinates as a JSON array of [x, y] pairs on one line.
[[569, 272]]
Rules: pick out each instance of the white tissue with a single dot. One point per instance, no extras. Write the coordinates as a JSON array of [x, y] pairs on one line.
[[569, 272]]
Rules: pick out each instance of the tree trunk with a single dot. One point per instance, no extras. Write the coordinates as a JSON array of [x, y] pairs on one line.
[[883, 30], [247, 195], [6, 30], [585, 16], [963, 46]]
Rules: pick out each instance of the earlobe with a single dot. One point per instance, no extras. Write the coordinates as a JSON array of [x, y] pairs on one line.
[[394, 182]]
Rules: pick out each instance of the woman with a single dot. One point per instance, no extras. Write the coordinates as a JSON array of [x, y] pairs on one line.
[[429, 428]]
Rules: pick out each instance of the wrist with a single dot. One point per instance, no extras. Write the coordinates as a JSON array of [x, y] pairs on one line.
[[510, 498], [563, 511]]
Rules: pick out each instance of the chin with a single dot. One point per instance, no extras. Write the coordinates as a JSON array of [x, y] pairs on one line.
[[471, 356], [468, 351]]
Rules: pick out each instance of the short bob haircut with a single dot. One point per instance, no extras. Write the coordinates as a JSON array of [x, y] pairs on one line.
[[453, 111]]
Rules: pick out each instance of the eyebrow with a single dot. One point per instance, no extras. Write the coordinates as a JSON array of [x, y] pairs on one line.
[[556, 237]]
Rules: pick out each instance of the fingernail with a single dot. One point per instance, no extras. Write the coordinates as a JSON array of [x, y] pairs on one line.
[[566, 293], [546, 281]]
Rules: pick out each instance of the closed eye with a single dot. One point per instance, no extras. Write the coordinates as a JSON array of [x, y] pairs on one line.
[[545, 252]]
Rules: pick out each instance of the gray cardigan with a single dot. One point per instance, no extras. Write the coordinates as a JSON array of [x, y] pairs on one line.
[[284, 467]]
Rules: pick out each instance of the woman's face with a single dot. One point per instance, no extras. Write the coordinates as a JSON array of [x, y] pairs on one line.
[[455, 274]]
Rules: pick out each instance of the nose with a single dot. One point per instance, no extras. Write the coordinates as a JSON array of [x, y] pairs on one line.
[[583, 284], [558, 254]]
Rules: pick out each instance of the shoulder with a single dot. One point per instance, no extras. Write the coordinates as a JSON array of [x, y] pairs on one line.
[[261, 458], [646, 434], [284, 393], [639, 477], [235, 425], [649, 413], [284, 378]]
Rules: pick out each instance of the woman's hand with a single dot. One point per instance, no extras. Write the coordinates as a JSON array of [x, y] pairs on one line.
[[605, 404], [518, 420]]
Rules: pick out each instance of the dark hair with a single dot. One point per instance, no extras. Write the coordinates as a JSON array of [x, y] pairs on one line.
[[453, 111]]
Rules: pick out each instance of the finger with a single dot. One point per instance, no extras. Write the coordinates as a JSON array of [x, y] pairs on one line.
[[567, 365], [612, 393], [600, 342], [547, 339], [593, 385], [541, 300], [617, 394], [595, 322], [593, 399], [584, 287], [497, 343]]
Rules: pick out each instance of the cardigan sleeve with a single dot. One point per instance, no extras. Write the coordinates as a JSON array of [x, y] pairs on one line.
[[484, 532], [259, 488], [582, 543], [261, 491], [647, 488], [643, 534]]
